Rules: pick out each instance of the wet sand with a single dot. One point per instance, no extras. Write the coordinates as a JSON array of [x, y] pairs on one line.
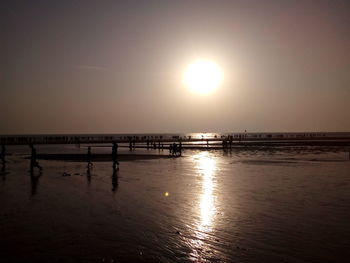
[[100, 157], [209, 206]]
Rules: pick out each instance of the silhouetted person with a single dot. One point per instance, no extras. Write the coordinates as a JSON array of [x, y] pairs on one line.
[[130, 144], [114, 180], [88, 157], [33, 161], [174, 148], [226, 144], [180, 148], [115, 155], [147, 143], [3, 154], [170, 149]]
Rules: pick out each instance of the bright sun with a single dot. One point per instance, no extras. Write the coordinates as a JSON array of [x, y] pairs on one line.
[[202, 77]]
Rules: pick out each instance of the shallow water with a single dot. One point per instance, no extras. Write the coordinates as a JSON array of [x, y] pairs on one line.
[[207, 206]]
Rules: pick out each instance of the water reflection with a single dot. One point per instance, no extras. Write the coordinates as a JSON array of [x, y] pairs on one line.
[[115, 180], [34, 180], [88, 175], [3, 172], [206, 167]]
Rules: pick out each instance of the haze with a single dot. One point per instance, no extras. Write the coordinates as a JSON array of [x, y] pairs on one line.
[[117, 66]]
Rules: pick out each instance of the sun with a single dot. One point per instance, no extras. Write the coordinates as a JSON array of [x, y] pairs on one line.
[[202, 77]]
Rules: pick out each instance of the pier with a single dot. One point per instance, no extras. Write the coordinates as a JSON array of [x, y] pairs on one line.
[[157, 141]]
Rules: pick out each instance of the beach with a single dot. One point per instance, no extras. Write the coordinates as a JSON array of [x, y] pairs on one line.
[[175, 131], [278, 205]]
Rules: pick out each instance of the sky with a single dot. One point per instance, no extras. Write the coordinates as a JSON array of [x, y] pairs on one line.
[[117, 66]]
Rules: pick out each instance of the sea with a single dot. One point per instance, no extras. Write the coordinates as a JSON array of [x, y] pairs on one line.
[[281, 204]]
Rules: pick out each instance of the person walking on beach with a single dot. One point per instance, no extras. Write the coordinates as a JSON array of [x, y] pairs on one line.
[[3, 154], [174, 149], [33, 161], [115, 156], [88, 158]]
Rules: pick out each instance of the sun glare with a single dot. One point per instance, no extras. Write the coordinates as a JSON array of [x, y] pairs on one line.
[[202, 77]]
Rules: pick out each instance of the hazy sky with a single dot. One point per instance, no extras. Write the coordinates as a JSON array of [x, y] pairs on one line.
[[117, 66]]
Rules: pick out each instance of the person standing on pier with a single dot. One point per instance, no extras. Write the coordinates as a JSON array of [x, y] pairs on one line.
[[88, 158], [33, 161], [3, 154], [115, 156]]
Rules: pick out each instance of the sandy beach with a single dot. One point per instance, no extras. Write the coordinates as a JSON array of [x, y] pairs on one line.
[[175, 131], [207, 206]]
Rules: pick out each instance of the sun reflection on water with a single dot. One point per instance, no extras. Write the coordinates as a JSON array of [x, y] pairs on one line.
[[206, 167]]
